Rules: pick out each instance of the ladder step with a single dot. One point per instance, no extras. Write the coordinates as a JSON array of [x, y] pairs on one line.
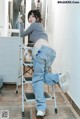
[[27, 80], [27, 47], [31, 97], [26, 63], [30, 44]]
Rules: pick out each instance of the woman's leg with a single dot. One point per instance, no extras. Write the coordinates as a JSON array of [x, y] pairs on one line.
[[50, 78], [38, 83], [42, 61]]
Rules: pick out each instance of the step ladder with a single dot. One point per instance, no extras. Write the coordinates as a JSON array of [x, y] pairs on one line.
[[29, 96]]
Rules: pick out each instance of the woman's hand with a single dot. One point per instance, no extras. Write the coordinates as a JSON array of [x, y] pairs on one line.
[[20, 20]]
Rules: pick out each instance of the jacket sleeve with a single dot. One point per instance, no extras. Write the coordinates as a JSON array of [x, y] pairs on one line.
[[26, 32]]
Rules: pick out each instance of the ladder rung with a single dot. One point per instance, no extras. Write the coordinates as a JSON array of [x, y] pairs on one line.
[[31, 97], [27, 80], [27, 47], [27, 63]]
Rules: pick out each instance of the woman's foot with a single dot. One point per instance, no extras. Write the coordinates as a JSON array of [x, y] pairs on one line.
[[40, 113], [63, 82]]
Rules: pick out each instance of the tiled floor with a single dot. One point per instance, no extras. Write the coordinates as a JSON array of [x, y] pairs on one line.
[[11, 101]]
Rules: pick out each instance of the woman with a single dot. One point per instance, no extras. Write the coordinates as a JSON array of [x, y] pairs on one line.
[[43, 57]]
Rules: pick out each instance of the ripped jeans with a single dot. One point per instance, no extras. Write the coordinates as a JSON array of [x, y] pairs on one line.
[[41, 63]]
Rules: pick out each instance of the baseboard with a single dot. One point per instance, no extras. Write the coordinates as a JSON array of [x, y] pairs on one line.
[[73, 104]]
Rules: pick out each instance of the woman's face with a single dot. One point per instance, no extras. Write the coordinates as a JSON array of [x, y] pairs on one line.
[[32, 18]]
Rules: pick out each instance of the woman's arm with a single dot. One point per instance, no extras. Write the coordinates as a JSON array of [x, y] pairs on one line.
[[28, 31]]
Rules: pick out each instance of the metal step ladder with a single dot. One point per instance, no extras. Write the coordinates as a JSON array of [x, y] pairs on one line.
[[29, 96]]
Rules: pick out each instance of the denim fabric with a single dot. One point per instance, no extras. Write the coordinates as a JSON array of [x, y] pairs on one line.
[[41, 63]]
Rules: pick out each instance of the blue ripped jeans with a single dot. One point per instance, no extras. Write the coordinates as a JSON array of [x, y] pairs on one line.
[[41, 63]]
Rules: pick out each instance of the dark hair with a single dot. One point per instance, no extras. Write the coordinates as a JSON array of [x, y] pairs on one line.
[[36, 14]]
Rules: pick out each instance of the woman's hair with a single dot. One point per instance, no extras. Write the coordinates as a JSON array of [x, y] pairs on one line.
[[36, 14]]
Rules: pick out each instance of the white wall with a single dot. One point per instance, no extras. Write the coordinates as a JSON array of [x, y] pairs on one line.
[[3, 17], [28, 8], [64, 35]]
